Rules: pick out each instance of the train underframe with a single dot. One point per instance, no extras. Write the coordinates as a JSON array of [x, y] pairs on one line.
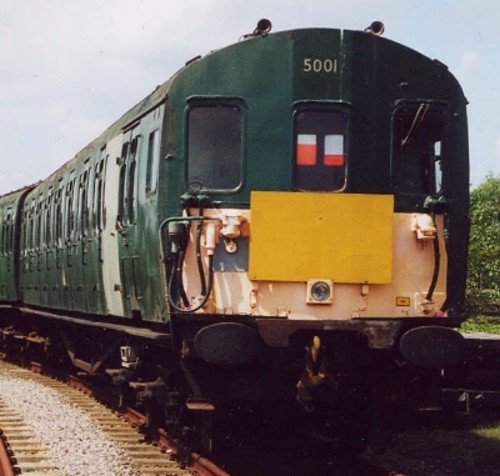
[[333, 378]]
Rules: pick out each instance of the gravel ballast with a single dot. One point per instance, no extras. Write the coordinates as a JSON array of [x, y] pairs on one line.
[[74, 443]]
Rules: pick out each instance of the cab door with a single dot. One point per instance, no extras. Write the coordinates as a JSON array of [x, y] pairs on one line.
[[109, 238], [126, 222]]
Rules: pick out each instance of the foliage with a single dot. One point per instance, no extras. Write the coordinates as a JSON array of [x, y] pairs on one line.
[[484, 247], [480, 323]]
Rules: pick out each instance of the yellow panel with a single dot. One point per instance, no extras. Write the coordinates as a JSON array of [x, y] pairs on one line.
[[296, 236]]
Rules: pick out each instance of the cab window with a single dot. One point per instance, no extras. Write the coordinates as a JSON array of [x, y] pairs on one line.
[[214, 147], [320, 150], [418, 146]]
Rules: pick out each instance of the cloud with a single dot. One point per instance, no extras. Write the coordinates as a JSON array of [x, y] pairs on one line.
[[68, 69], [470, 61]]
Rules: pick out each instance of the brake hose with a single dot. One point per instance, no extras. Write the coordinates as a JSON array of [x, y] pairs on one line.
[[203, 283], [437, 261], [204, 297], [176, 278]]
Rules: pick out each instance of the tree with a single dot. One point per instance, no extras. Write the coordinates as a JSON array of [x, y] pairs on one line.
[[484, 244]]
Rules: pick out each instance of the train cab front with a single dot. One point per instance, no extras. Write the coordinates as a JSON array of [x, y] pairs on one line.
[[302, 287], [324, 215]]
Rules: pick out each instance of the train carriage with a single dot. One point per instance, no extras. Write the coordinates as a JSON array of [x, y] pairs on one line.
[[10, 211], [300, 189]]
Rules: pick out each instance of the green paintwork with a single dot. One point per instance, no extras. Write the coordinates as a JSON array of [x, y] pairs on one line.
[[269, 77], [10, 206], [372, 76], [267, 73]]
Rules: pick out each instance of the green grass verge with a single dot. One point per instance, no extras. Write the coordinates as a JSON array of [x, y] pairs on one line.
[[488, 324], [440, 452]]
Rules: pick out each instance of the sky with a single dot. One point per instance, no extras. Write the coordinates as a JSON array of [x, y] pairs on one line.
[[69, 68]]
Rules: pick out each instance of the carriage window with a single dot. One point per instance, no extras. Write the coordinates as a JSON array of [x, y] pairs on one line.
[[7, 234], [127, 187], [418, 143], [24, 230], [121, 187], [38, 231], [83, 199], [131, 192], [31, 230], [153, 161], [320, 152], [215, 147], [70, 212], [98, 201], [48, 218], [59, 216]]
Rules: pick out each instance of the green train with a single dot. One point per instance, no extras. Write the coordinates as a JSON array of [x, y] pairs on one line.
[[282, 218]]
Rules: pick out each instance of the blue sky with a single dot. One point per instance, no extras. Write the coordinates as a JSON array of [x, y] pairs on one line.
[[68, 68]]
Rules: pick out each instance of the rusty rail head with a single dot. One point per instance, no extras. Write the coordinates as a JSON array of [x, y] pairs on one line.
[[5, 462], [204, 467], [199, 465]]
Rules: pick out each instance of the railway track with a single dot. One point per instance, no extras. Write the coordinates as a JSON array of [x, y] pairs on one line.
[[21, 451], [84, 437], [26, 451]]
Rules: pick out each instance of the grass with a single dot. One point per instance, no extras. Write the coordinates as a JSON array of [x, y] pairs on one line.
[[481, 323], [473, 450], [482, 308], [470, 449], [444, 452]]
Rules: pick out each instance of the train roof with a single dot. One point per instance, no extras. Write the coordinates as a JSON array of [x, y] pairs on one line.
[[161, 92], [19, 191]]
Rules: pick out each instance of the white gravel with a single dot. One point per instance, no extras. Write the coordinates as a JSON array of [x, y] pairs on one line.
[[75, 444]]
